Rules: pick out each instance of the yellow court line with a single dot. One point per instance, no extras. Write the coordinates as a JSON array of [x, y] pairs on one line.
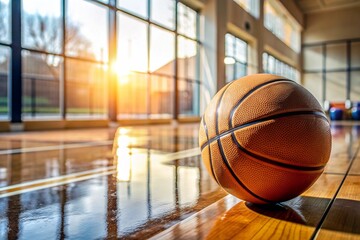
[[80, 176]]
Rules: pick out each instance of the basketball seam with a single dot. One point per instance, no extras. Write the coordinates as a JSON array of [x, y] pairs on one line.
[[226, 162], [249, 93], [218, 108], [208, 144], [261, 120], [273, 162]]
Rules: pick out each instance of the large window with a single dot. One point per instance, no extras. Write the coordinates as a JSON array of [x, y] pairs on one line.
[[236, 60], [87, 44], [275, 66], [146, 65], [67, 63], [251, 6], [188, 62], [76, 89], [331, 70], [280, 22]]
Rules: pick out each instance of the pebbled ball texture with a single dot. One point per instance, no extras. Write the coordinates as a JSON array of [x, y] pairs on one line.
[[264, 138]]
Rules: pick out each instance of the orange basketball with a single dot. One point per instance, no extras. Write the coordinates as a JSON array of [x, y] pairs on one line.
[[264, 138]]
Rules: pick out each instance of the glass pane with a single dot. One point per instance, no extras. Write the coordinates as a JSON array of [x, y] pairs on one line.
[[240, 70], [265, 62], [355, 54], [5, 21], [133, 96], [4, 81], [163, 12], [313, 83], [132, 45], [336, 56], [313, 58], [355, 86], [336, 86], [42, 25], [187, 21], [161, 96], [271, 62], [41, 85], [251, 6], [162, 53], [138, 7], [240, 50], [87, 30], [229, 45], [230, 72], [188, 98], [86, 89], [187, 58]]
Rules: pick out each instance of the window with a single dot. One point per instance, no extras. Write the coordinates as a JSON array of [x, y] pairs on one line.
[[86, 46], [187, 21], [42, 25], [4, 81], [330, 73], [5, 21], [138, 7], [86, 88], [274, 66], [41, 83], [279, 21], [132, 67], [146, 61], [163, 12], [251, 6], [235, 57], [188, 62], [86, 30]]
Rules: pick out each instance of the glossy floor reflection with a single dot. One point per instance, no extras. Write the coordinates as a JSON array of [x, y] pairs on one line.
[[327, 210], [59, 186], [142, 182]]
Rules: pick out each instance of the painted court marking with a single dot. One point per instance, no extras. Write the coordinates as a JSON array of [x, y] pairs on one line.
[[81, 176], [57, 147]]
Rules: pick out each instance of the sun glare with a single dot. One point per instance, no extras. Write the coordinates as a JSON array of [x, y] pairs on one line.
[[122, 71]]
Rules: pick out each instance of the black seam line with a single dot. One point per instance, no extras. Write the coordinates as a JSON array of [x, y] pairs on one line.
[[273, 162], [249, 93], [280, 115], [218, 108], [236, 177], [332, 201], [210, 158]]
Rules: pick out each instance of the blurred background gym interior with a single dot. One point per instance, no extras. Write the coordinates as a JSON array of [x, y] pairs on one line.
[[100, 103]]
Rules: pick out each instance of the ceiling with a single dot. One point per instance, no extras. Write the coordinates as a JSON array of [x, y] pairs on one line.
[[309, 6]]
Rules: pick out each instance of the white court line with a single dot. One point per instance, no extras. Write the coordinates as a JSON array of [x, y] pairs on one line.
[[57, 147], [80, 176], [57, 178], [55, 184]]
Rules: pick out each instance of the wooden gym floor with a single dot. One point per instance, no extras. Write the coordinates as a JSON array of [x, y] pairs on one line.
[[74, 184]]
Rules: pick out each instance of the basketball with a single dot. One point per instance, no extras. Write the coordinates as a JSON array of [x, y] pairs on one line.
[[264, 138]]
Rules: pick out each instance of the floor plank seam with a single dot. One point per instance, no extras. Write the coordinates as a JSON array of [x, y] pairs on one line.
[[318, 227]]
